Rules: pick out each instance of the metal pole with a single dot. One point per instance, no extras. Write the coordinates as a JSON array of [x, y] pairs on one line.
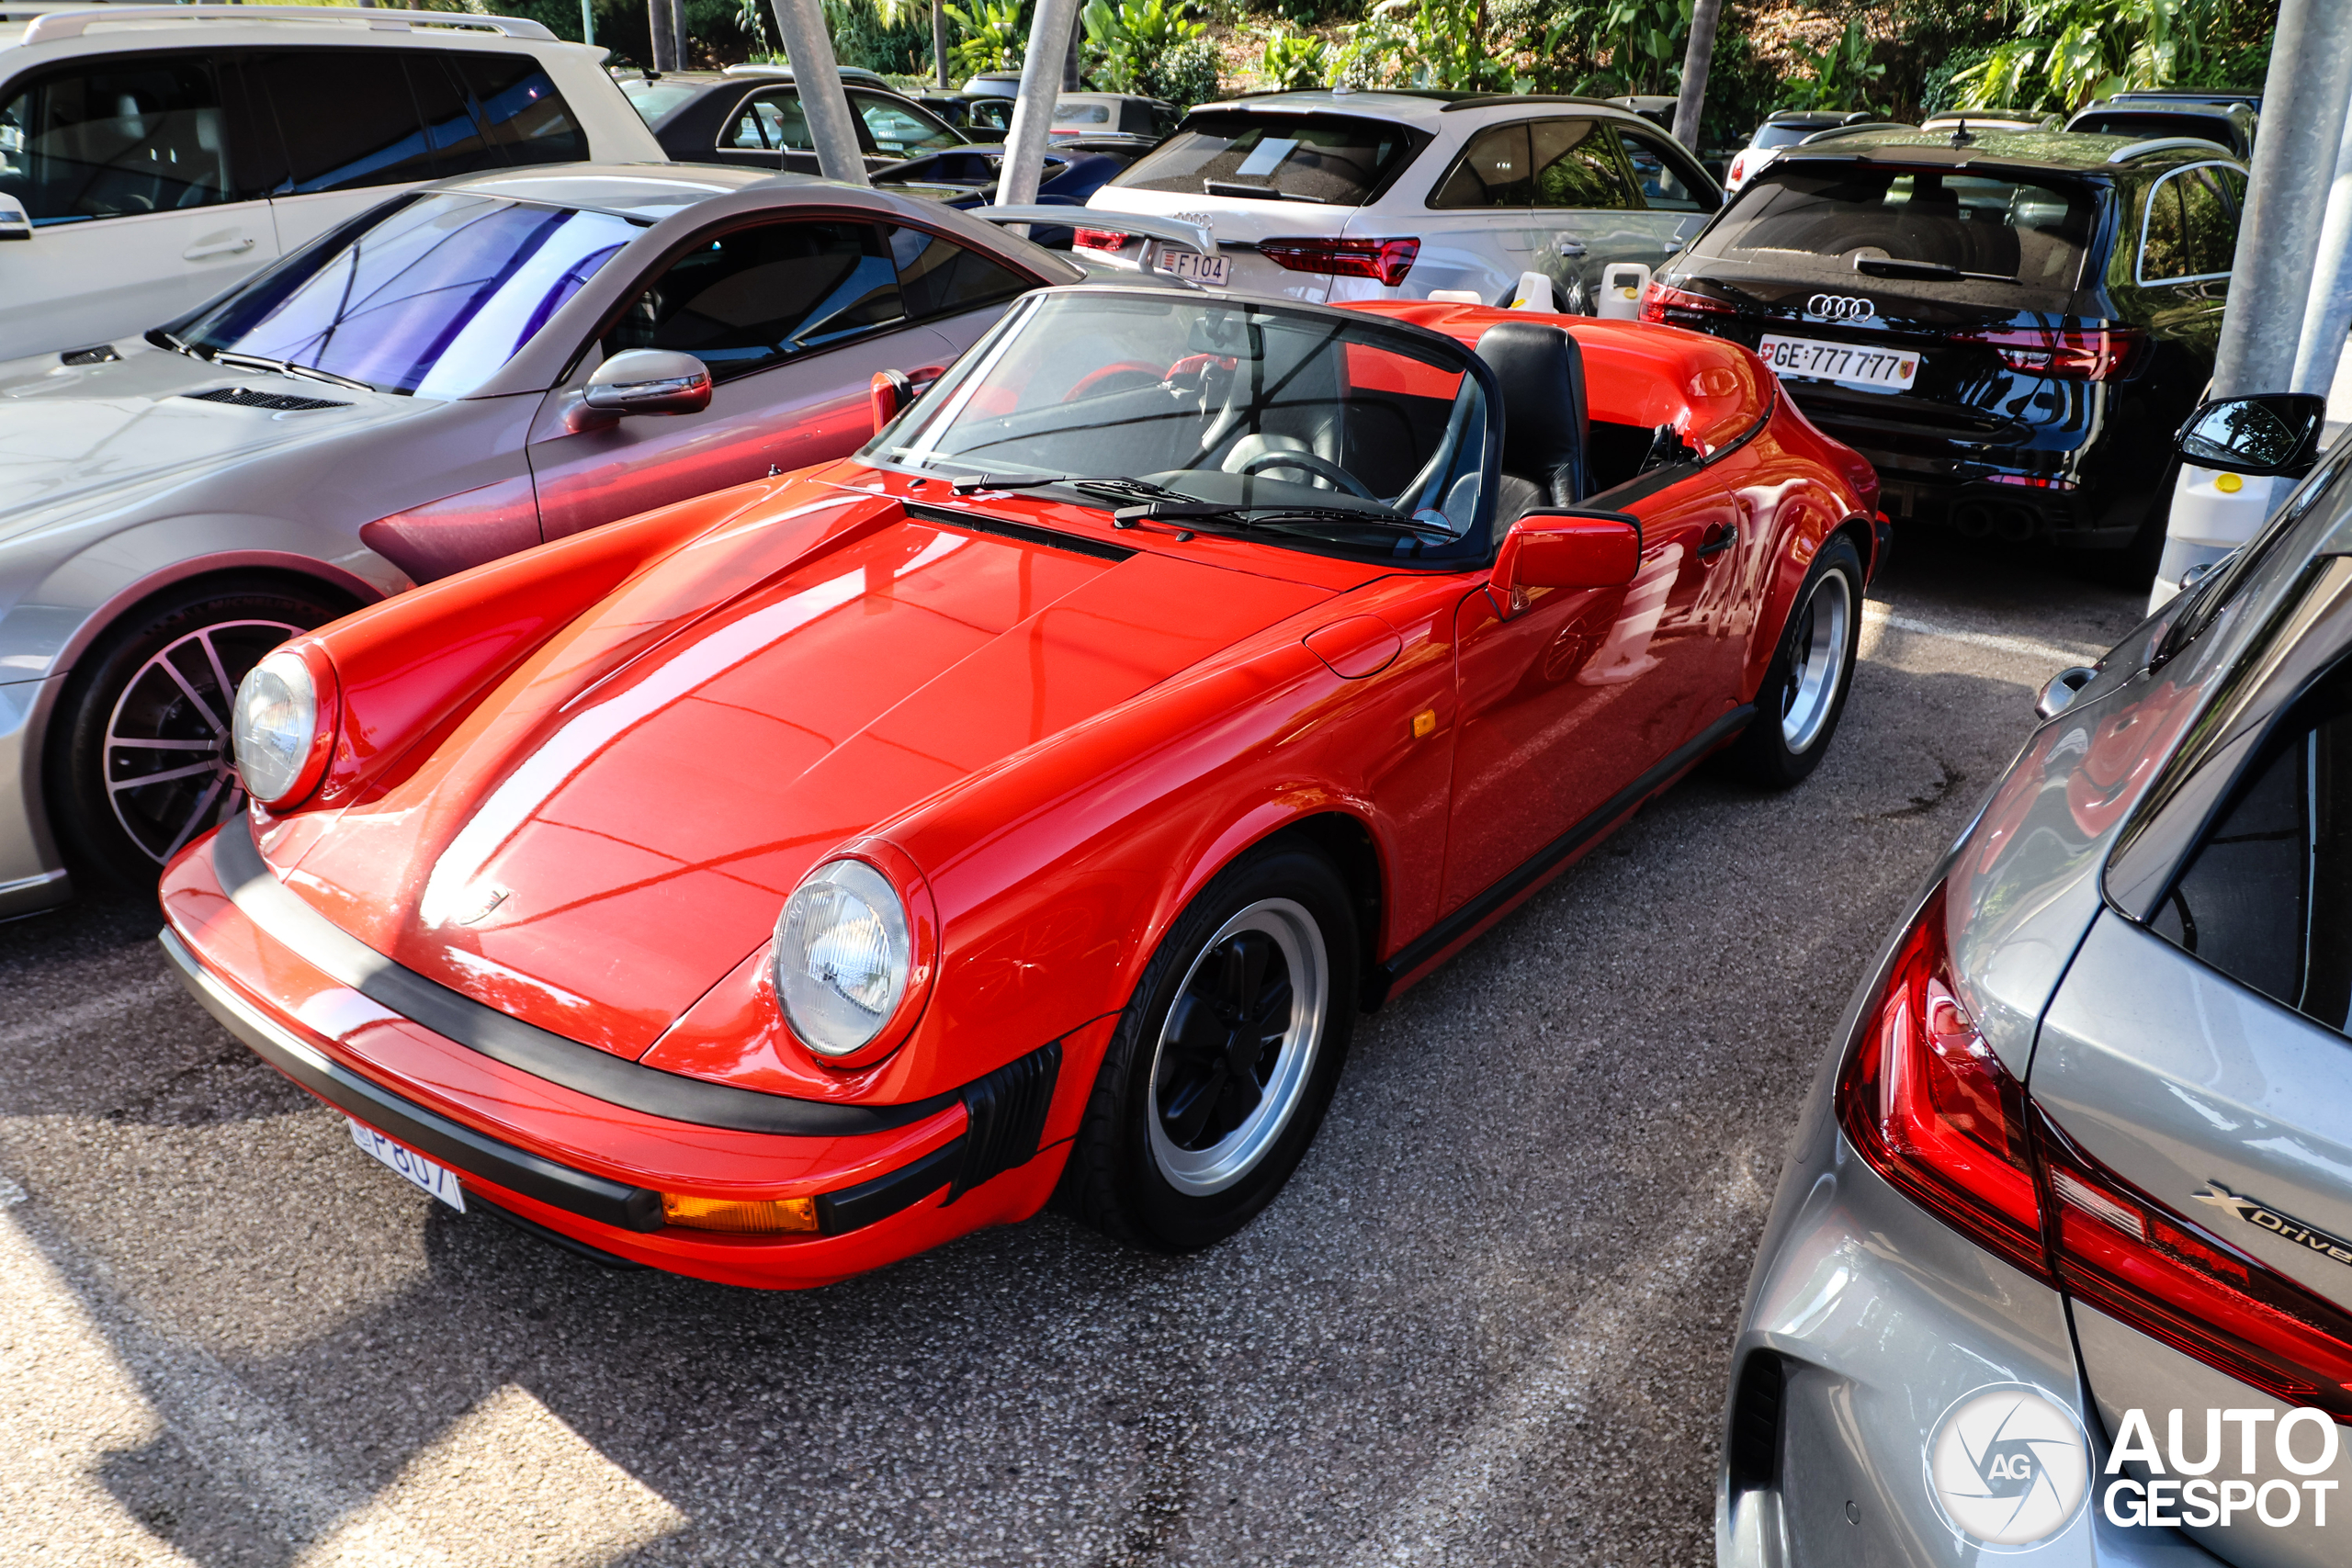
[[587, 23], [939, 41], [800, 24], [1069, 65], [1695, 61], [1032, 109], [682, 49], [2328, 310], [658, 33], [2303, 101]]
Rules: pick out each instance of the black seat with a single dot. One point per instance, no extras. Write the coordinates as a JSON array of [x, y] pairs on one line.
[[1542, 372]]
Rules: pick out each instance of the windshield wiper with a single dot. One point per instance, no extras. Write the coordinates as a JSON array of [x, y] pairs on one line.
[[235, 360], [1261, 193], [1394, 522], [163, 339], [1891, 266], [1114, 485]]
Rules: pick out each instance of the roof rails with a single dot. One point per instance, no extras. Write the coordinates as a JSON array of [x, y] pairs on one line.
[[1487, 101], [50, 25], [2166, 144], [1834, 131]]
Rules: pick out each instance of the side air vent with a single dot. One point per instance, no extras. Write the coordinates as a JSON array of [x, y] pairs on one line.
[[277, 402], [1755, 1423], [1006, 1112]]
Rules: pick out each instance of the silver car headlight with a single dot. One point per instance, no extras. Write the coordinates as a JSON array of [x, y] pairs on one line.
[[273, 728], [843, 951]]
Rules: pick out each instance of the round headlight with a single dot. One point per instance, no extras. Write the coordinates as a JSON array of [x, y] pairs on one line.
[[843, 955], [275, 726]]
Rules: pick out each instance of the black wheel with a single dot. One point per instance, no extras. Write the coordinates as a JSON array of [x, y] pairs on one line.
[[1804, 690], [1225, 1059], [140, 761]]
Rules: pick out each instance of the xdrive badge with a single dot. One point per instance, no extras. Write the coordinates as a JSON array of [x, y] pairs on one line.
[[2280, 1225]]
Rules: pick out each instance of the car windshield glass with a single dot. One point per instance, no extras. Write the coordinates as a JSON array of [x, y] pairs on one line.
[[429, 295], [1784, 135], [1301, 426], [1330, 159], [654, 99], [1968, 237]]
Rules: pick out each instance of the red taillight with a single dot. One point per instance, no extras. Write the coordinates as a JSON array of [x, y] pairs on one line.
[[1662, 303], [2074, 353], [1739, 169], [1100, 240], [1387, 260], [1927, 1105]]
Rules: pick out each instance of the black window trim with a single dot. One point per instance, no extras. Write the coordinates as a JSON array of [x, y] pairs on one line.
[[1672, 152], [2147, 215], [1636, 201]]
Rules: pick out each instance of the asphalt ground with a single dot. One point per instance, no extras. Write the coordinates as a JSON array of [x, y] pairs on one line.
[[1486, 1323]]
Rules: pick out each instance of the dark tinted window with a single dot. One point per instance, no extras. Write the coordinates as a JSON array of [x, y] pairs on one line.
[[1664, 185], [745, 301], [939, 277], [1321, 158], [1575, 166], [2192, 226], [773, 120], [522, 114], [1800, 223], [114, 138], [2267, 900], [1492, 172], [451, 133], [348, 117], [899, 129]]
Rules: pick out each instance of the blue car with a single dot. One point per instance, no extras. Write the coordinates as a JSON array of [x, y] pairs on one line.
[[966, 177]]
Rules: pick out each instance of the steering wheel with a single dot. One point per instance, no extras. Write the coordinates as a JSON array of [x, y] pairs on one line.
[[1321, 467], [1124, 376]]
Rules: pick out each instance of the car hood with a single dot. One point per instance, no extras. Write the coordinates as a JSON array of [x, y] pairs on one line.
[[73, 432], [602, 838]]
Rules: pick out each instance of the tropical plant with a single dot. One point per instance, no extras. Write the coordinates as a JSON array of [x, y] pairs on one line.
[[1186, 74], [1839, 77], [1128, 46], [1592, 46], [1294, 63], [1422, 43], [2067, 53], [994, 37]]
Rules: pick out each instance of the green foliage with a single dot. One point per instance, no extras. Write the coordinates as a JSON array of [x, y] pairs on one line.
[[1128, 47], [1294, 63], [1422, 43], [1604, 48], [2066, 52], [991, 37], [1842, 76], [1185, 75], [1938, 88]]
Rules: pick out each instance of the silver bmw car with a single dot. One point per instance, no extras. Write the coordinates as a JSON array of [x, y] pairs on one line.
[[2061, 1258], [465, 370]]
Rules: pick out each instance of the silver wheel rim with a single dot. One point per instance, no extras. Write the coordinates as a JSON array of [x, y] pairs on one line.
[[1816, 662], [169, 772], [1254, 1080]]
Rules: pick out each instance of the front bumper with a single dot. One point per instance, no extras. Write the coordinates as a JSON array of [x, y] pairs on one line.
[[888, 1181]]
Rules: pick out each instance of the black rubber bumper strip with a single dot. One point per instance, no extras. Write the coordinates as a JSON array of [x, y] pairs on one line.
[[455, 1016], [575, 1191]]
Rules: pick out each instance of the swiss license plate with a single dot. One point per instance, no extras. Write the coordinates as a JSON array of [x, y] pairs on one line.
[[1210, 270], [410, 1166], [1890, 367]]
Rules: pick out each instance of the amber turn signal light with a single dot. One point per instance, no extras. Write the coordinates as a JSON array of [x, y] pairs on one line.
[[758, 1217]]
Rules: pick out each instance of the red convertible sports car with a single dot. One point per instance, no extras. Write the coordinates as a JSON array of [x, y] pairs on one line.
[[779, 884]]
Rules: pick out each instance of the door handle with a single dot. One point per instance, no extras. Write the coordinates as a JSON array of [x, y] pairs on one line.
[[1722, 541], [218, 248], [1568, 246]]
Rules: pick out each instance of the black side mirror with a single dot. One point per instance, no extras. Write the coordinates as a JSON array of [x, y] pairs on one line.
[[2275, 433]]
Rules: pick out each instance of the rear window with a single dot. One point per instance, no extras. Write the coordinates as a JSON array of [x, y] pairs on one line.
[[1969, 237], [1328, 159], [2148, 126], [651, 100], [1784, 135]]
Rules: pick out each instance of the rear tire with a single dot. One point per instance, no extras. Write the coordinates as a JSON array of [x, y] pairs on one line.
[[1803, 694], [150, 701], [1225, 1059]]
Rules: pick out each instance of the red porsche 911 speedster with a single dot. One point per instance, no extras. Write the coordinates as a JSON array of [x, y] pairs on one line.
[[782, 883]]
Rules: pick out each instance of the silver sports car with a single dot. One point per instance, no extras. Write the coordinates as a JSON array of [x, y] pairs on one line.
[[468, 369], [2060, 1261]]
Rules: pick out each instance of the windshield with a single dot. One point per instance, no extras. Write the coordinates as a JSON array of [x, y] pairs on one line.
[[1330, 159], [1967, 236], [656, 98], [429, 295], [1784, 135], [1351, 433]]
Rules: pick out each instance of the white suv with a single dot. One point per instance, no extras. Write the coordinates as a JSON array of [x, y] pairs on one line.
[[1334, 195], [152, 156]]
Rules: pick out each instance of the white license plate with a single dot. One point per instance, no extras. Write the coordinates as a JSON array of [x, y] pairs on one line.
[[1211, 270], [1891, 368], [410, 1166]]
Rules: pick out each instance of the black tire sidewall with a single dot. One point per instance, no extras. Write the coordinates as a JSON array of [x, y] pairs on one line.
[[1761, 753], [1123, 1190], [75, 756]]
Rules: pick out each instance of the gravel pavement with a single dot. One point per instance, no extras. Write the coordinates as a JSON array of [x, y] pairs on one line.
[[1485, 1325]]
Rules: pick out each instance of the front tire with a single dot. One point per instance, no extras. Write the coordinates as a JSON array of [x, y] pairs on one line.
[[1803, 694], [1225, 1059], [141, 764]]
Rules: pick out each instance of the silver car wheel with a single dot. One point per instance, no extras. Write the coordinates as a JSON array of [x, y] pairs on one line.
[[169, 772], [1238, 1048], [1816, 661]]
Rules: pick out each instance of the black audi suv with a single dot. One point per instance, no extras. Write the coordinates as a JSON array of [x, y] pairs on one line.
[[2010, 324]]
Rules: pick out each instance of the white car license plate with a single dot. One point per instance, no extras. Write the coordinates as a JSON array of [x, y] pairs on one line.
[[410, 1166], [1210, 270], [1890, 367]]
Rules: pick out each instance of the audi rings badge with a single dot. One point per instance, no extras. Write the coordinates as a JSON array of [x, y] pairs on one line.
[[1839, 307]]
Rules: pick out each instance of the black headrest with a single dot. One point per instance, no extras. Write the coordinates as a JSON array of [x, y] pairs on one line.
[[1542, 372]]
